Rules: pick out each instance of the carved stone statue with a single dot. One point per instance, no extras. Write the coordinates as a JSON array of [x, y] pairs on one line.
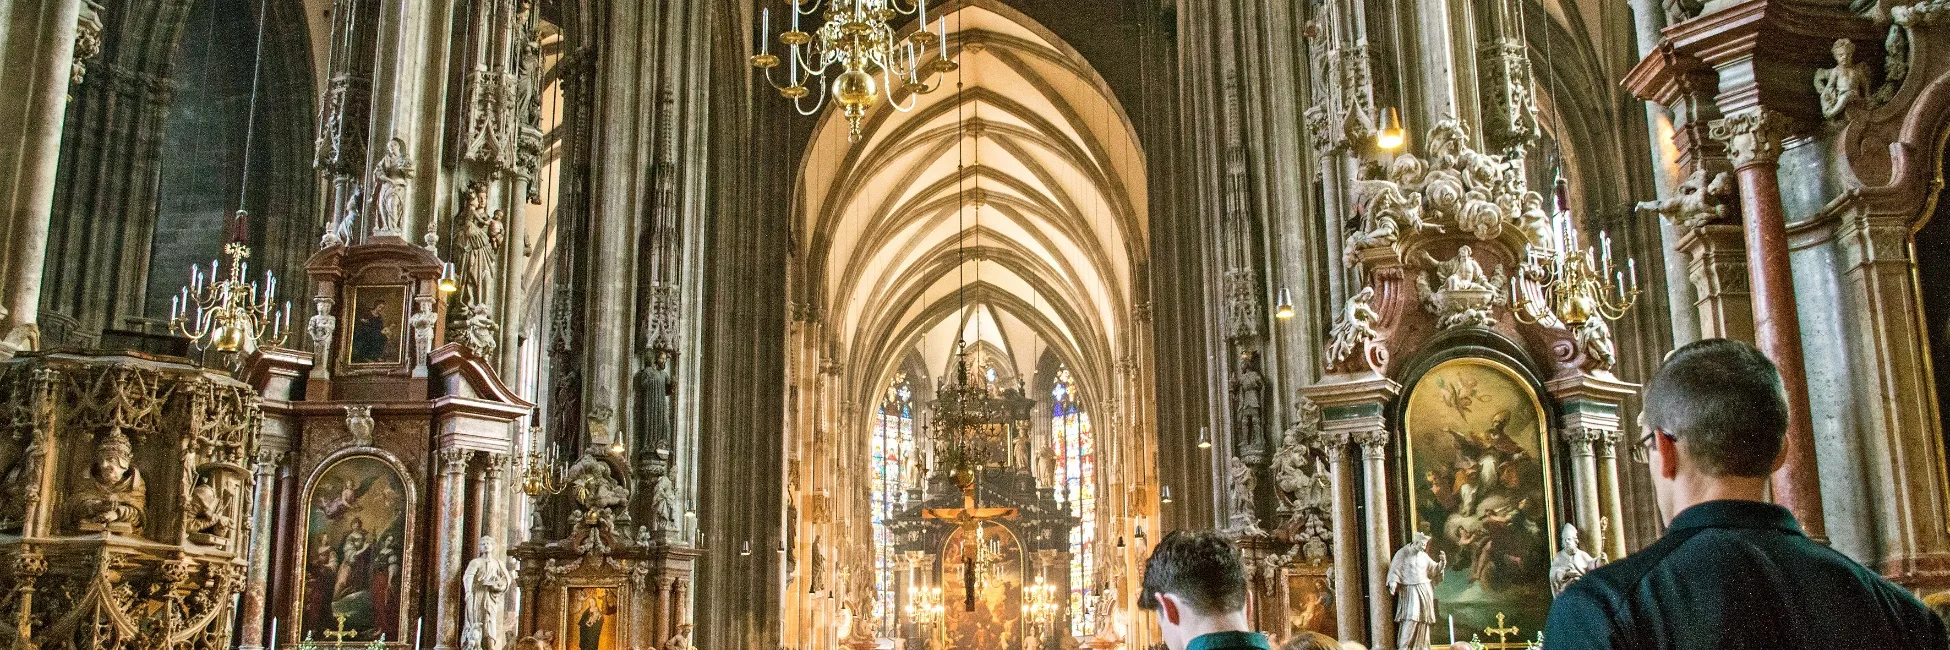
[[1535, 223], [1594, 338], [1240, 485], [597, 492], [1412, 576], [1354, 329], [681, 640], [340, 231], [480, 238], [1302, 479], [114, 497], [1465, 295], [817, 577], [1696, 202], [663, 504], [1571, 562], [358, 423], [1106, 612], [480, 333], [207, 518], [422, 322], [1249, 401], [655, 393], [1844, 85], [321, 327], [486, 582], [393, 172], [1679, 11]]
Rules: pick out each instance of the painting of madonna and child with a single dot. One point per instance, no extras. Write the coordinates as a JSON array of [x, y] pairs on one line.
[[355, 533], [1477, 451]]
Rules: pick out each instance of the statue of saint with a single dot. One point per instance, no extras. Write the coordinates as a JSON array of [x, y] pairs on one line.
[[595, 488], [1461, 273], [655, 393], [480, 239], [680, 640], [1571, 562], [394, 171], [663, 501], [486, 582], [209, 523], [1249, 399], [1411, 579], [114, 497]]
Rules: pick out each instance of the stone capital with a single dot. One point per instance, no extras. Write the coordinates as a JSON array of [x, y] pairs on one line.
[[454, 461], [1753, 137]]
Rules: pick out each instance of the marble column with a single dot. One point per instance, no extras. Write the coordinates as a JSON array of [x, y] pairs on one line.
[[264, 489], [37, 48], [1754, 140], [1374, 468], [1347, 543], [1716, 264], [448, 546], [1584, 476], [495, 503], [1611, 504]]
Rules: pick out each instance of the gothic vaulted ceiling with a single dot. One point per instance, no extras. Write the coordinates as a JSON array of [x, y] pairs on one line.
[[1033, 248]]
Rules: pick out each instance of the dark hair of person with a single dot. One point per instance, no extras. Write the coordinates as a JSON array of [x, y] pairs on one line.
[[1310, 640], [1723, 399], [1203, 568]]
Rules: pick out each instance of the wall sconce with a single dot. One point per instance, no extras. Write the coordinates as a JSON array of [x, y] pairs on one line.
[[1285, 309], [1390, 136]]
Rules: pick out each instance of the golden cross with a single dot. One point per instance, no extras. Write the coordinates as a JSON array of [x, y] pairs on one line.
[[341, 634], [1501, 630]]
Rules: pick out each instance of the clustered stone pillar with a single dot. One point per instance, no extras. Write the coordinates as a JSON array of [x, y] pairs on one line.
[[1347, 546], [448, 546], [1754, 140], [1584, 476], [39, 41]]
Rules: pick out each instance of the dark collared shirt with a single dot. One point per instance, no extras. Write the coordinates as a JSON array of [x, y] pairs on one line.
[[1229, 641], [1731, 575]]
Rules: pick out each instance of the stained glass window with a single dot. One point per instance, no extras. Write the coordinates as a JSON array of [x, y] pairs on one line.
[[1076, 477], [893, 452]]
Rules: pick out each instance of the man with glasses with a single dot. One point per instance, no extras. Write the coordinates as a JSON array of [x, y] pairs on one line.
[[1732, 570]]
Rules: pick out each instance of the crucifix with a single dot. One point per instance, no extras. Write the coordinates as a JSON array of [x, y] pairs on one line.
[[339, 636], [1502, 631], [969, 519]]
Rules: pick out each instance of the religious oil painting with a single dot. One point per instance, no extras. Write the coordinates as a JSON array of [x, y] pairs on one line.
[[989, 616], [592, 619], [1310, 602], [1480, 465], [378, 325], [355, 552]]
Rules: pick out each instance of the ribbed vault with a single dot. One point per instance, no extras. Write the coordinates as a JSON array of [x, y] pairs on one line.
[[1034, 245]]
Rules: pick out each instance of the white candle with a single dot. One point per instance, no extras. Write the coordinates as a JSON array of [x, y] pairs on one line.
[[1632, 269], [765, 31], [1452, 628], [175, 308], [941, 25], [795, 15], [924, 15], [273, 639], [417, 624]]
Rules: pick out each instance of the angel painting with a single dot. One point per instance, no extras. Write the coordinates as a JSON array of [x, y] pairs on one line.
[[356, 526]]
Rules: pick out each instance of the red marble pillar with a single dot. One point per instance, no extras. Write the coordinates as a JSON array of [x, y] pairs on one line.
[[1754, 140]]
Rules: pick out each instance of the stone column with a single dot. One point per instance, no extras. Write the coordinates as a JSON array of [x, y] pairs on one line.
[[448, 546], [1611, 504], [1754, 140], [1584, 475], [495, 503], [39, 48], [1374, 466], [264, 489], [1347, 548]]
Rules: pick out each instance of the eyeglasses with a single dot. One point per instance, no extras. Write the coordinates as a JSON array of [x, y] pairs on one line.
[[1641, 453]]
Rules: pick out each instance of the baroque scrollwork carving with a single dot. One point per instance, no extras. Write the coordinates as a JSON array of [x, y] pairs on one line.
[[1455, 188]]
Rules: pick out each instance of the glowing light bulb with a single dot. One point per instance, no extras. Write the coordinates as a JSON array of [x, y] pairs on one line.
[[1391, 135]]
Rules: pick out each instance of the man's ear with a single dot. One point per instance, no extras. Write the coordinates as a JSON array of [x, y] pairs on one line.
[[1168, 608], [1668, 450]]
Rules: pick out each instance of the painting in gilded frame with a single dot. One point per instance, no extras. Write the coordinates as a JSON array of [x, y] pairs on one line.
[[996, 620], [356, 528], [1478, 456], [592, 619], [376, 330], [1310, 601]]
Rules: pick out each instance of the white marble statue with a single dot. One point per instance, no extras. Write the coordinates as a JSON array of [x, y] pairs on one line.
[[1412, 576], [1571, 562], [1844, 85], [1355, 327], [394, 171], [485, 583]]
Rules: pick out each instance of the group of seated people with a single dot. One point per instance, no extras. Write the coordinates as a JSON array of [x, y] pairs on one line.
[[1731, 572]]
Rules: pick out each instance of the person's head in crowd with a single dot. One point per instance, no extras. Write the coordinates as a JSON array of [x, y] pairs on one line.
[[1714, 425], [1939, 604], [1196, 584], [1310, 640]]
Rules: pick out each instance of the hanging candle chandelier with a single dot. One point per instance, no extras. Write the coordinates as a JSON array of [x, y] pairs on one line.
[[858, 41], [232, 314]]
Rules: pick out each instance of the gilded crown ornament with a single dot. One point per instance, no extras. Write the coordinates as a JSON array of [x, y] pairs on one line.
[[856, 44]]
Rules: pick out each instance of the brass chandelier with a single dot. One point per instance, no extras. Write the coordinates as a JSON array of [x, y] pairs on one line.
[[857, 38], [1570, 281]]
